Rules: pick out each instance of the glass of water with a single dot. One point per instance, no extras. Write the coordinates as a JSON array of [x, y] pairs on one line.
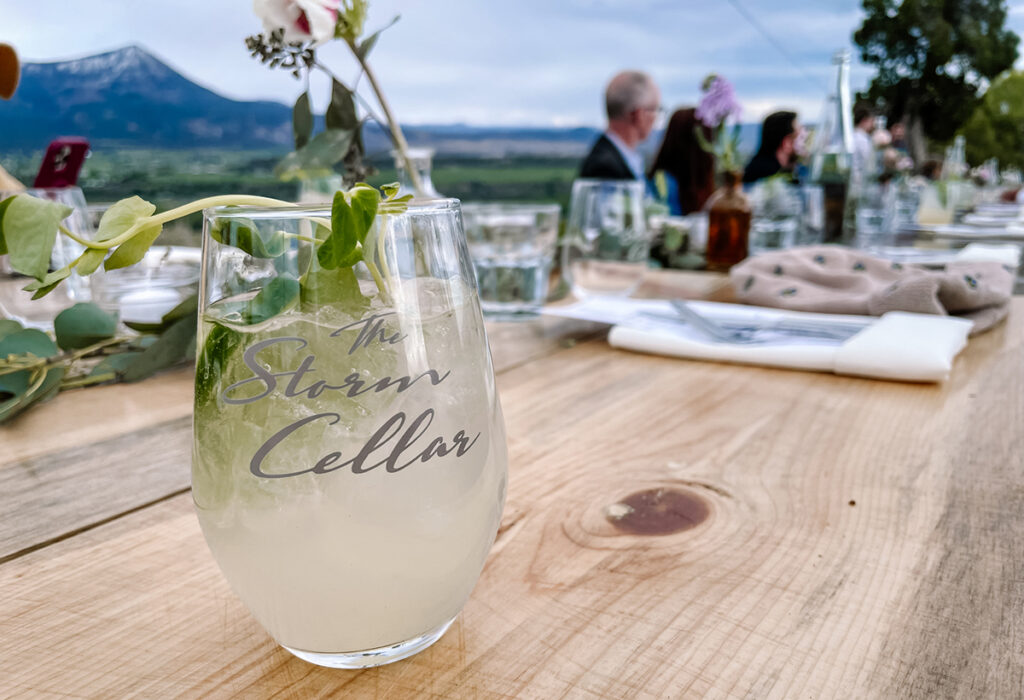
[[512, 246], [776, 221], [607, 241]]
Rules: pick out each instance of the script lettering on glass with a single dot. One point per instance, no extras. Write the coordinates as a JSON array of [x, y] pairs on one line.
[[397, 444]]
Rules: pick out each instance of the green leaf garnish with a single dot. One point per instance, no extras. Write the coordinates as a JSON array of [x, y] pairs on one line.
[[121, 216], [134, 249], [280, 294], [213, 362], [48, 283], [29, 229], [245, 235], [88, 261]]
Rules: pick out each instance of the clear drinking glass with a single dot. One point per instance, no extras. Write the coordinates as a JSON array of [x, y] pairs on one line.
[[18, 304], [607, 242], [349, 462], [512, 246], [776, 221], [876, 216]]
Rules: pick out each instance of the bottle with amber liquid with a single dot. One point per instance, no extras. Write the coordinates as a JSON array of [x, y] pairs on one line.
[[728, 224]]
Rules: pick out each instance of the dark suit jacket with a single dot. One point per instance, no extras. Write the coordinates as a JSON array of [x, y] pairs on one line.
[[605, 162]]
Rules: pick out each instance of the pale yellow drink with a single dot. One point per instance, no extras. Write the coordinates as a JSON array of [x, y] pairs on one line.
[[349, 468]]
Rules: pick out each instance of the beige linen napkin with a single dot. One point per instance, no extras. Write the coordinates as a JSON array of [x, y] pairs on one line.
[[838, 280]]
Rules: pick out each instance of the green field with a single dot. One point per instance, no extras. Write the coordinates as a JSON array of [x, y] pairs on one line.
[[170, 178]]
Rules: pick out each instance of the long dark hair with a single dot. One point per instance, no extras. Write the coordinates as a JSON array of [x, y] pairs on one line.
[[776, 127], [682, 157]]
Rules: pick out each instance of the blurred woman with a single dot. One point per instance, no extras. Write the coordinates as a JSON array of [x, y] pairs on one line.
[[778, 151], [686, 169]]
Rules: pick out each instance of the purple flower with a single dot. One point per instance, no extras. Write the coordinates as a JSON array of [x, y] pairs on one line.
[[719, 102]]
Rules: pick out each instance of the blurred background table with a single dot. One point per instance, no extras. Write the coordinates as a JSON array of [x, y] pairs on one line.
[[861, 538]]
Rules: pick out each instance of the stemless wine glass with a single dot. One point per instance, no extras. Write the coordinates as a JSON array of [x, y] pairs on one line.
[[606, 243], [512, 246], [349, 461]]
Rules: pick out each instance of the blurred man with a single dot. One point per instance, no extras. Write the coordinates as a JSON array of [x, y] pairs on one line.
[[863, 146], [632, 102]]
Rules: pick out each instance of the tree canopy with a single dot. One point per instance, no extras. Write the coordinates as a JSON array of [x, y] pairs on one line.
[[934, 59], [996, 129]]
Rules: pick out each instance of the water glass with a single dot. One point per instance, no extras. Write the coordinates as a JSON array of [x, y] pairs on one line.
[[775, 224], [512, 247], [875, 215], [17, 304], [349, 457], [607, 242]]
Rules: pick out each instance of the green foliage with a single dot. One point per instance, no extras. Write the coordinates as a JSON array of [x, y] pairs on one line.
[[934, 58], [213, 361], [168, 350], [279, 295], [366, 46], [29, 230], [341, 113], [996, 129], [247, 236], [83, 325], [302, 121], [25, 373], [316, 158]]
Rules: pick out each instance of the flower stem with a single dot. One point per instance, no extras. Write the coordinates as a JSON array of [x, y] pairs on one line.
[[396, 130]]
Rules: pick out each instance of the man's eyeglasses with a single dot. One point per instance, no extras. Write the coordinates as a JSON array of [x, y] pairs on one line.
[[656, 110]]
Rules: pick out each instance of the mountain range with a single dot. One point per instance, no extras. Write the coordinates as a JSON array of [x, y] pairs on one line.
[[128, 98]]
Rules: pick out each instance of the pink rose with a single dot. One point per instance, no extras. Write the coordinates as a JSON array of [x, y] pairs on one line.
[[301, 20]]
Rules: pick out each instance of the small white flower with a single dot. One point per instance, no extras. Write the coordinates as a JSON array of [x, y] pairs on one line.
[[301, 20]]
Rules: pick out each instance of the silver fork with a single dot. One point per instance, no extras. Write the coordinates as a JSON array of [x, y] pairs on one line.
[[747, 333]]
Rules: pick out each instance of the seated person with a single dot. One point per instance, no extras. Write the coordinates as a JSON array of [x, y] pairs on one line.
[[632, 104], [687, 170], [777, 152]]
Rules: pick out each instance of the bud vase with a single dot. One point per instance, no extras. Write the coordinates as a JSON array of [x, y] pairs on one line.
[[728, 224]]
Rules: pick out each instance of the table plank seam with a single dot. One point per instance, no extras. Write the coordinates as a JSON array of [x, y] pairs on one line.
[[91, 526]]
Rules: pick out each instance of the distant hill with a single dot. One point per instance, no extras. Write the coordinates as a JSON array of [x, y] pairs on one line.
[[128, 98]]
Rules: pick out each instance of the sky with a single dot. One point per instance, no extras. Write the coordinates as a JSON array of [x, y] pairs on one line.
[[482, 62]]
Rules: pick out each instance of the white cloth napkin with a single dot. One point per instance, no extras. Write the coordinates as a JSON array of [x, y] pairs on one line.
[[898, 346]]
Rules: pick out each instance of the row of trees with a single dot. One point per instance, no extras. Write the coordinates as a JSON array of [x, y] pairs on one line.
[[944, 68]]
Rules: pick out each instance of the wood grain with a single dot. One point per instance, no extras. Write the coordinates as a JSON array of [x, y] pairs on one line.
[[92, 454], [863, 541]]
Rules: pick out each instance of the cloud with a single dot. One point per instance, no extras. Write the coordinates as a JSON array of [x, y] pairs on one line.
[[528, 62]]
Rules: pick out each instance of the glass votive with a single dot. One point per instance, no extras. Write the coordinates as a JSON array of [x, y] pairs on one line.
[[512, 247]]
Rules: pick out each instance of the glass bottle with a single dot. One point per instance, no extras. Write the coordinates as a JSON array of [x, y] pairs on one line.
[[729, 214], [422, 160], [832, 160]]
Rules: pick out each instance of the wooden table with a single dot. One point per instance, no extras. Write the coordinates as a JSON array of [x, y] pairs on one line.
[[863, 539]]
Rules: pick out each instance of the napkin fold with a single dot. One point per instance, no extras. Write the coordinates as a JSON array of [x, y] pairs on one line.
[[835, 279], [898, 346]]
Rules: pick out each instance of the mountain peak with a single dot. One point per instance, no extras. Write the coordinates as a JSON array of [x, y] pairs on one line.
[[131, 60]]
